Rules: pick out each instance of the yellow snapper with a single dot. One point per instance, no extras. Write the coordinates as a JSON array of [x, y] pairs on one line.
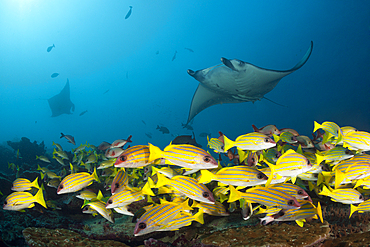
[[58, 146], [290, 164], [181, 220], [345, 196], [235, 175], [285, 137], [128, 195], [43, 158], [334, 155], [76, 181], [251, 141], [106, 163], [331, 129], [61, 154], [133, 157], [119, 181], [357, 140], [216, 209], [216, 145], [183, 155], [361, 208], [187, 186], [167, 171], [265, 196], [307, 210], [86, 195], [158, 216], [23, 184], [99, 206], [17, 201]]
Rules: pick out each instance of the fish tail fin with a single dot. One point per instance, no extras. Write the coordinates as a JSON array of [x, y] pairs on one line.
[[206, 177], [300, 222], [316, 126], [339, 177], [38, 167], [198, 217], [62, 135], [35, 183], [234, 194], [319, 158], [162, 180], [39, 198], [272, 172], [276, 138], [154, 153], [325, 191], [228, 143], [146, 190], [185, 205], [95, 175], [353, 209], [319, 212], [358, 183]]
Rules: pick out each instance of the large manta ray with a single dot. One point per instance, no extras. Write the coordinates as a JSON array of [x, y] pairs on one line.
[[235, 81], [61, 103]]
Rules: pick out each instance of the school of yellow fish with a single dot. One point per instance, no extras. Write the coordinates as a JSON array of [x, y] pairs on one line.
[[270, 172]]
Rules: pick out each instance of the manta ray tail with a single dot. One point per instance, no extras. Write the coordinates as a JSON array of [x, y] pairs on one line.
[[274, 102]]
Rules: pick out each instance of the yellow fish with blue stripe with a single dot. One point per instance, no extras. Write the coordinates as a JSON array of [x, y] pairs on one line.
[[134, 157], [23, 184], [345, 196], [181, 220], [216, 145], [187, 186], [361, 208], [331, 129], [17, 201], [290, 164], [159, 216], [128, 195], [265, 196], [184, 155], [216, 209], [235, 175], [252, 141], [77, 181], [99, 206], [119, 181], [357, 140]]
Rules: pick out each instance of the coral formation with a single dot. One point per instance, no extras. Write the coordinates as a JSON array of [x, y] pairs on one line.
[[62, 237], [285, 234], [28, 150]]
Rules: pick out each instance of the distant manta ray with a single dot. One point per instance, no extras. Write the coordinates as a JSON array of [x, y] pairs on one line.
[[235, 81]]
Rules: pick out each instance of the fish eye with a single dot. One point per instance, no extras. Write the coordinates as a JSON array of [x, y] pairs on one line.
[[85, 208], [123, 158], [206, 159], [260, 175], [267, 139], [291, 202], [205, 194], [117, 185], [281, 213], [142, 225], [300, 192], [347, 152], [253, 160], [361, 197], [110, 201], [146, 169], [5, 202], [61, 186]]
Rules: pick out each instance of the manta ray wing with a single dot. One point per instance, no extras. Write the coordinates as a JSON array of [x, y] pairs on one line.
[[61, 103], [234, 82], [204, 98]]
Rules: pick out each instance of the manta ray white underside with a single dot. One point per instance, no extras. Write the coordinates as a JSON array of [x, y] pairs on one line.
[[235, 81]]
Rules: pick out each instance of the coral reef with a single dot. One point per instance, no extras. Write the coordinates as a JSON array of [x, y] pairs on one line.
[[283, 234], [62, 237], [28, 150], [353, 240]]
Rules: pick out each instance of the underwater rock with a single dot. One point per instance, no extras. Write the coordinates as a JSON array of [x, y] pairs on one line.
[[62, 237], [353, 240], [271, 235], [28, 150]]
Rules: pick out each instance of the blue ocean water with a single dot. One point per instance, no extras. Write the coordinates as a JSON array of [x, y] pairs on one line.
[[98, 50]]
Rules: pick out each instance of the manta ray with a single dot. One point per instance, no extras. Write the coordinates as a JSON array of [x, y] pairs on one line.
[[235, 81], [61, 103]]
